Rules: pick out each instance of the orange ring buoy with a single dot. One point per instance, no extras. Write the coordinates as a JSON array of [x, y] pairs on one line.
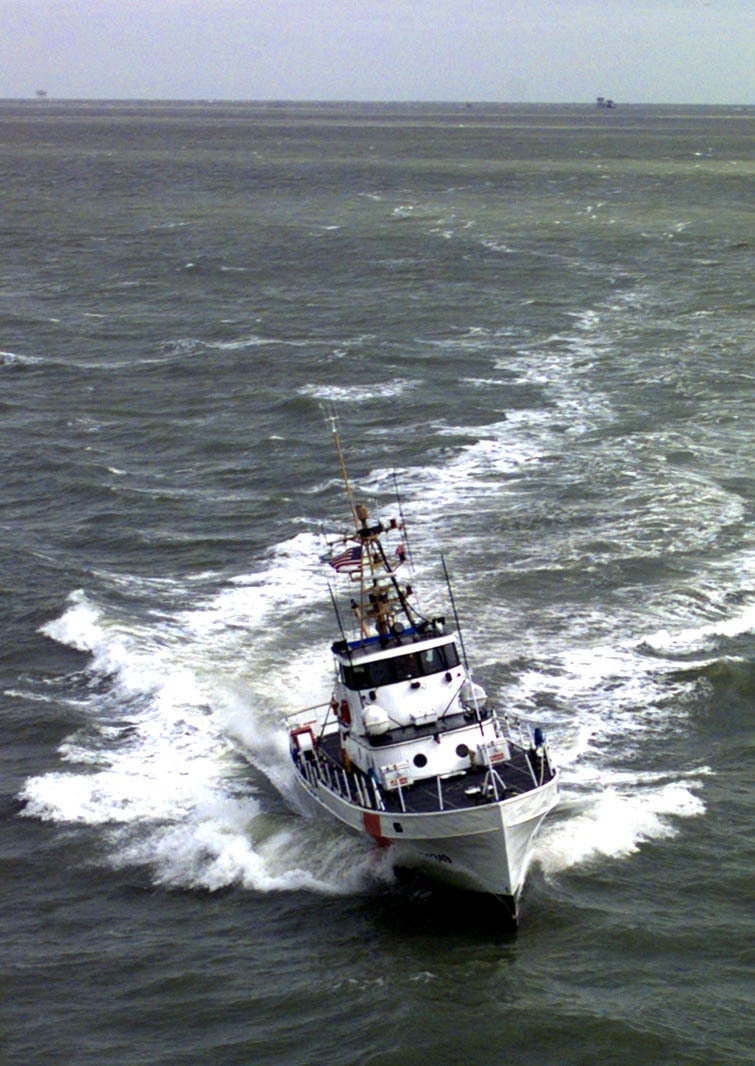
[[345, 713]]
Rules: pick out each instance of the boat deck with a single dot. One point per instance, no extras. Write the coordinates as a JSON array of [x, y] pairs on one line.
[[523, 772]]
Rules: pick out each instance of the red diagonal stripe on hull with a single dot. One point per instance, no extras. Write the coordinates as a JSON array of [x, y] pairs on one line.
[[372, 826]]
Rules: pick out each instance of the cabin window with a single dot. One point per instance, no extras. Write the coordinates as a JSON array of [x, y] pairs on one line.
[[436, 659], [408, 667], [356, 677], [400, 667], [382, 672]]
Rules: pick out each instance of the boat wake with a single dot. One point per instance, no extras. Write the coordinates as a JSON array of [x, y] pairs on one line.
[[180, 761], [646, 688], [174, 767]]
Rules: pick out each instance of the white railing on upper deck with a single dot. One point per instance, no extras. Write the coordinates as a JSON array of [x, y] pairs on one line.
[[512, 728], [307, 717]]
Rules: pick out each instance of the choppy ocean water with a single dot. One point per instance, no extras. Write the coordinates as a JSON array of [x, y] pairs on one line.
[[541, 320]]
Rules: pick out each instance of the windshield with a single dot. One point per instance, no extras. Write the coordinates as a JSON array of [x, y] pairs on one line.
[[400, 667]]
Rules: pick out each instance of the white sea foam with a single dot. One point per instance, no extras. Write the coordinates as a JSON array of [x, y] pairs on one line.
[[229, 842], [13, 359], [610, 802], [160, 764], [703, 637], [613, 824], [252, 340], [359, 393]]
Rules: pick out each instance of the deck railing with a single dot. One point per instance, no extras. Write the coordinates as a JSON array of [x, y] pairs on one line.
[[355, 786], [320, 768]]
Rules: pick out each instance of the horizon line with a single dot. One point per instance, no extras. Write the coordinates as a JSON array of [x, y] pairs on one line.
[[42, 97]]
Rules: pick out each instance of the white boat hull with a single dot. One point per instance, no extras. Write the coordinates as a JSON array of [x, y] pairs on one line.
[[485, 849]]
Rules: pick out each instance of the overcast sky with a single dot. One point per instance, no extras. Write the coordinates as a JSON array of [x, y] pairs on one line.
[[659, 51]]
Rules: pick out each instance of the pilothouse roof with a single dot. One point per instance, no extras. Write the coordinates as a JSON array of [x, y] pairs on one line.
[[390, 647]]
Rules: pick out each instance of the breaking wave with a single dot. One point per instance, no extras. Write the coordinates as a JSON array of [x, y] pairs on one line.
[[178, 758]]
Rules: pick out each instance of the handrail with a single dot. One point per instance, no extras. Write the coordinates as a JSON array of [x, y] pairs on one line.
[[325, 770], [306, 710], [322, 767]]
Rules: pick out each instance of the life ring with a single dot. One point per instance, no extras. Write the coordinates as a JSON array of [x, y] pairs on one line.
[[345, 713]]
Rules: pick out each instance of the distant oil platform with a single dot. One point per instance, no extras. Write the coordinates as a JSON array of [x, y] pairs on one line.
[[602, 102]]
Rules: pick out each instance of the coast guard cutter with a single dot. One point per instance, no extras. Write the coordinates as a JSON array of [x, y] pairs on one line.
[[409, 750]]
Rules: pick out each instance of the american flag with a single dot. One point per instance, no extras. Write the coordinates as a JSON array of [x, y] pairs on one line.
[[349, 561]]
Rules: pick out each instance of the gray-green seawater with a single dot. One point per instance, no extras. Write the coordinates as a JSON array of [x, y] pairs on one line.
[[541, 319]]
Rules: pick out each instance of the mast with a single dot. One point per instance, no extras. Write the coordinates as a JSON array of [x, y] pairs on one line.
[[381, 597], [344, 473]]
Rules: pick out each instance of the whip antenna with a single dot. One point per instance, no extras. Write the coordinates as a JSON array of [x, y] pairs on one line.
[[338, 618], [453, 608], [461, 641]]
